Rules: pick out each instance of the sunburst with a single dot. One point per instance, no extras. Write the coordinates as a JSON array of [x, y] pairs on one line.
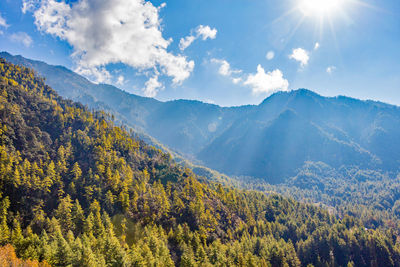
[[321, 8]]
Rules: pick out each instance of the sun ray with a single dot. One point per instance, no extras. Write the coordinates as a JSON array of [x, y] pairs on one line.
[[333, 32], [367, 5], [285, 15], [293, 32], [326, 11]]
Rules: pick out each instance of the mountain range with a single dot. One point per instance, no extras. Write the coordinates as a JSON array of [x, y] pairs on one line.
[[271, 140], [78, 190]]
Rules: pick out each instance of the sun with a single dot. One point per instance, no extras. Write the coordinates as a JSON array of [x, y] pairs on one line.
[[320, 8]]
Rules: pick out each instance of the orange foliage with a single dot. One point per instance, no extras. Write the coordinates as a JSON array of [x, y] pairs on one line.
[[9, 258]]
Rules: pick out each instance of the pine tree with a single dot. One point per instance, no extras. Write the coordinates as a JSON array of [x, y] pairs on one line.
[[64, 214], [4, 230]]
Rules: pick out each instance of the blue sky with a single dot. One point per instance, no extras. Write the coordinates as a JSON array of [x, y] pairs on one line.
[[215, 51]]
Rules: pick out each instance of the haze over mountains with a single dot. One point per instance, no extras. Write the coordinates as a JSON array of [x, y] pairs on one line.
[[270, 140], [77, 190]]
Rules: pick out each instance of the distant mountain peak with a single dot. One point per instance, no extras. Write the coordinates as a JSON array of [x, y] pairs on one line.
[[304, 91], [269, 141], [301, 92]]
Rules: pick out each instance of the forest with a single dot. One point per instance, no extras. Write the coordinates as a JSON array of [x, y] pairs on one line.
[[270, 141], [77, 190]]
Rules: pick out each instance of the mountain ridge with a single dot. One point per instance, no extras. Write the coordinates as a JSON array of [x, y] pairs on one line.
[[345, 130], [77, 190], [10, 57]]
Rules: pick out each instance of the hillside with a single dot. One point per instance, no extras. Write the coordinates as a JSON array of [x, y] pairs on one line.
[[291, 128], [186, 132], [77, 190], [269, 141]]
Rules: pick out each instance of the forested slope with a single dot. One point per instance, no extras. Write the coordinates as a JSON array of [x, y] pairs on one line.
[[77, 190], [271, 140]]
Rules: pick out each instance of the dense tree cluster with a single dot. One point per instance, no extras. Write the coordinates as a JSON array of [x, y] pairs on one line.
[[77, 190], [369, 195]]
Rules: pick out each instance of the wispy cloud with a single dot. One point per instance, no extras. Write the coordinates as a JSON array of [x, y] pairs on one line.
[[29, 5], [3, 22], [120, 80], [330, 69], [203, 32], [153, 86], [185, 42], [225, 68], [21, 37]]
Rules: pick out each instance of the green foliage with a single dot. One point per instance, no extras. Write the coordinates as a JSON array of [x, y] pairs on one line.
[[371, 196], [76, 190]]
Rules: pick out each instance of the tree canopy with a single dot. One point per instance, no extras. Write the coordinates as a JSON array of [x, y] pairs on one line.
[[77, 190]]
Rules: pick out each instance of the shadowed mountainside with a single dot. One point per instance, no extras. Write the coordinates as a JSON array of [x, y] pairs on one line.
[[270, 141]]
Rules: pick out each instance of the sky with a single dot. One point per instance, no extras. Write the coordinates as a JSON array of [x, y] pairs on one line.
[[226, 52]]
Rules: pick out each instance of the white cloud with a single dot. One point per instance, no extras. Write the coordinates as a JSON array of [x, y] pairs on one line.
[[29, 5], [96, 74], [3, 22], [114, 31], [330, 69], [237, 80], [152, 87], [270, 55], [226, 70], [260, 82], [21, 37], [186, 42], [203, 32], [206, 32], [120, 80], [269, 82], [316, 46], [300, 55]]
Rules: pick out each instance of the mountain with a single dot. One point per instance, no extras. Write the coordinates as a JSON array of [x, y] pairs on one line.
[[77, 190], [180, 124], [271, 140], [290, 128]]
